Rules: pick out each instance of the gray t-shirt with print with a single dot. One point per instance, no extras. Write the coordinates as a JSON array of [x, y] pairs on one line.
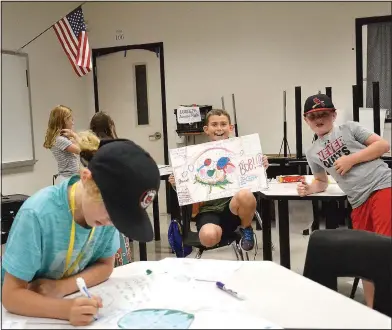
[[362, 179], [67, 162]]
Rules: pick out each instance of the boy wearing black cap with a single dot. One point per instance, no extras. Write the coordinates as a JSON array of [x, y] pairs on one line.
[[66, 231], [351, 154]]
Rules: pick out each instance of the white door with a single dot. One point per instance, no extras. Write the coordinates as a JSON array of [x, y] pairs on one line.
[[117, 92]]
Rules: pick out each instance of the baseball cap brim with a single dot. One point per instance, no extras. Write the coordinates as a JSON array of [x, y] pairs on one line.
[[138, 229], [319, 109]]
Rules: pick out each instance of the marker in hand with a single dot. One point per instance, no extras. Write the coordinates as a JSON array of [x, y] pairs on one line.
[[83, 290], [223, 287]]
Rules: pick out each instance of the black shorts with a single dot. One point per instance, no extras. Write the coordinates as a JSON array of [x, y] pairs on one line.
[[228, 221]]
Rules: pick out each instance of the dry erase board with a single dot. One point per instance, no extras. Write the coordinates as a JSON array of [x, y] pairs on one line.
[[16, 112]]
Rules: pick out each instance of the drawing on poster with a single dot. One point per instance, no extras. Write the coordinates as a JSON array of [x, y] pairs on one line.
[[214, 172], [218, 169]]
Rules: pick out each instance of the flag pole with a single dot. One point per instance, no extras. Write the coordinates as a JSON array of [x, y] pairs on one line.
[[47, 29]]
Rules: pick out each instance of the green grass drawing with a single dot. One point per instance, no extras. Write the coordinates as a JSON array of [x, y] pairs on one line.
[[220, 184]]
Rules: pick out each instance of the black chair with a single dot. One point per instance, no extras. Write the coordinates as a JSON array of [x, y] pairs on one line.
[[352, 253], [191, 238]]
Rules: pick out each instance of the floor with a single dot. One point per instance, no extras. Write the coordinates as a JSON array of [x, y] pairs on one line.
[[301, 215]]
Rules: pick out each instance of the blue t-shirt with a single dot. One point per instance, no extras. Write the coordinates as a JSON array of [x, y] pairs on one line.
[[38, 242]]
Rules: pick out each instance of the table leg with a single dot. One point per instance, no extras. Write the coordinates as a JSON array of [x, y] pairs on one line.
[[258, 208], [331, 215], [155, 213], [143, 251], [316, 215], [284, 233], [342, 212], [267, 239]]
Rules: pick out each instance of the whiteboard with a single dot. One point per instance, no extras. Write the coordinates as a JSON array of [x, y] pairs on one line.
[[17, 122]]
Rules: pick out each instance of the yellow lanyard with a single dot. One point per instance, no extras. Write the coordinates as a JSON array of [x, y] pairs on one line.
[[68, 271]]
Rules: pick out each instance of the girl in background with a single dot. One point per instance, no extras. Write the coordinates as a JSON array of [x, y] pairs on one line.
[[62, 142], [102, 125]]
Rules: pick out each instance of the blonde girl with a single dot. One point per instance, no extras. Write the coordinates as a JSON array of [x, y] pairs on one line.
[[61, 140], [70, 230]]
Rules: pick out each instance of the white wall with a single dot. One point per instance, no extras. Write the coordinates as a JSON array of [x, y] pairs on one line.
[[255, 50], [53, 82]]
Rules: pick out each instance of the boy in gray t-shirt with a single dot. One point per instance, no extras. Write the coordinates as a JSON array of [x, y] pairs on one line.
[[351, 155]]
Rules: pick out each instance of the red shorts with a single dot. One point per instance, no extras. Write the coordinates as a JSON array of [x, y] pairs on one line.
[[375, 214]]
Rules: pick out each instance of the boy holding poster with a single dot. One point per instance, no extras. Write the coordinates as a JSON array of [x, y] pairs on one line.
[[218, 217]]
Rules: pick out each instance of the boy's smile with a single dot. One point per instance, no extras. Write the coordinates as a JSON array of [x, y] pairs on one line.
[[218, 127]]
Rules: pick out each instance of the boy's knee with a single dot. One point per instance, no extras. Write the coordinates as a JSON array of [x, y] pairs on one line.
[[210, 235], [245, 198]]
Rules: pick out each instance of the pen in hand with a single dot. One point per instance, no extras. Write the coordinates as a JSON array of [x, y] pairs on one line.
[[83, 290]]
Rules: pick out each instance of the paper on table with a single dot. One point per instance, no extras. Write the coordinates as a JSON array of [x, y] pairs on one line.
[[234, 320], [9, 317], [118, 298], [121, 295], [200, 269], [13, 325], [190, 296]]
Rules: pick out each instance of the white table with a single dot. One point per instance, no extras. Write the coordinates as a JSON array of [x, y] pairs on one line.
[[272, 292], [283, 192]]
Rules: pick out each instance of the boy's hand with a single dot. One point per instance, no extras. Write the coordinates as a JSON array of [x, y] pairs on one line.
[[303, 189], [265, 162], [83, 310], [171, 180], [47, 287], [343, 165]]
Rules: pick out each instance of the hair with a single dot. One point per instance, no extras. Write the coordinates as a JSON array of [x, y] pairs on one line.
[[217, 112], [56, 123], [103, 126], [89, 144]]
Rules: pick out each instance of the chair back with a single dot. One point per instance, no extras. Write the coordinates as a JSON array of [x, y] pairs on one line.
[[352, 253]]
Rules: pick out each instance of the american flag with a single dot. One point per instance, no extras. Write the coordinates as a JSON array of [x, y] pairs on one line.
[[71, 32]]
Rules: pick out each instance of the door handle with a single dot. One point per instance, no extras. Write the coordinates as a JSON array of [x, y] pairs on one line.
[[155, 136]]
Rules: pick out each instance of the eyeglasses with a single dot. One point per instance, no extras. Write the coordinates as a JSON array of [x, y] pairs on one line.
[[317, 115]]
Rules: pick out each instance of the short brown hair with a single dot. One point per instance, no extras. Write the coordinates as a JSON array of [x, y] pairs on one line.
[[217, 112]]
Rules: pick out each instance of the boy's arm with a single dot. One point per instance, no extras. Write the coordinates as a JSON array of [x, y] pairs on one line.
[[17, 299], [100, 270], [93, 275], [319, 184], [376, 146]]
